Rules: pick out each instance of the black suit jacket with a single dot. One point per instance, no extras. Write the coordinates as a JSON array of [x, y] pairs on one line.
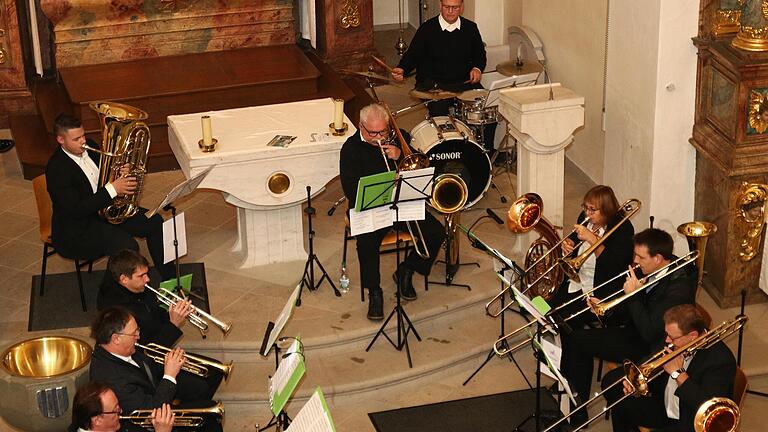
[[75, 206], [646, 310], [710, 374], [154, 321], [131, 384]]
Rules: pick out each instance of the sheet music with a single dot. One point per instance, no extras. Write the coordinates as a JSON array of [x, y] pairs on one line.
[[182, 189], [312, 417], [410, 211], [551, 368], [370, 220], [169, 252], [282, 319], [283, 374], [528, 306], [416, 184]]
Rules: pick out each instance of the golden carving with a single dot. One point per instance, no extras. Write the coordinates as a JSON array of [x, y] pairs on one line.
[[350, 14], [751, 217], [3, 56], [279, 183], [726, 21], [751, 39], [758, 111]]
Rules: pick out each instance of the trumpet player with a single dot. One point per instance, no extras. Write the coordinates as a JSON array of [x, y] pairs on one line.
[[123, 285], [138, 382], [645, 327], [95, 408], [371, 152], [72, 178], [687, 383]]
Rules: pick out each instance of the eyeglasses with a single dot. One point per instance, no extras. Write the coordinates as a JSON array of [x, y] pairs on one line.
[[589, 209], [450, 8], [134, 334], [676, 337], [117, 410], [380, 133]]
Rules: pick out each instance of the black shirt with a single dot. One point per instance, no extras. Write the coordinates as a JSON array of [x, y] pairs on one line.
[[442, 58]]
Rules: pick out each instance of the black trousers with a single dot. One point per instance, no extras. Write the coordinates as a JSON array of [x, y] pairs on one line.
[[197, 392], [614, 344], [368, 251], [107, 239], [646, 411]]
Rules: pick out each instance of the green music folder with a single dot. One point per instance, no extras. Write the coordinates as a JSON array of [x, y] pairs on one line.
[[374, 190]]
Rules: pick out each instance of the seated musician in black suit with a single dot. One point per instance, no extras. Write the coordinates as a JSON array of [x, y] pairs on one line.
[[363, 154], [123, 285], [95, 408], [688, 382], [72, 176], [637, 338], [138, 381], [601, 210]]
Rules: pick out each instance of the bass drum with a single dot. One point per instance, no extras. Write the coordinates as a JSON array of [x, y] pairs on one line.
[[451, 148]]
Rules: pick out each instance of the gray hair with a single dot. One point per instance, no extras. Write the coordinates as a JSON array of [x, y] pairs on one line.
[[372, 111]]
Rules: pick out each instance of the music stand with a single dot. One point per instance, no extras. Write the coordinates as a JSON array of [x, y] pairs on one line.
[[308, 279], [179, 191], [414, 193]]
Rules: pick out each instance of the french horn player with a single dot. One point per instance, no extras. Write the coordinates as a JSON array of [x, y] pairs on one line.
[[94, 188], [373, 151]]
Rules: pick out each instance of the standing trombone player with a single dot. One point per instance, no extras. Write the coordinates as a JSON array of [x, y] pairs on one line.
[[371, 151], [646, 301], [689, 381]]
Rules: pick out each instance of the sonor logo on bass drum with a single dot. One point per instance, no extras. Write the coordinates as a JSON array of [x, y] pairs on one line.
[[445, 156]]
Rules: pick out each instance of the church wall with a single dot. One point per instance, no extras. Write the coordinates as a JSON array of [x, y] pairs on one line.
[[573, 34], [385, 12]]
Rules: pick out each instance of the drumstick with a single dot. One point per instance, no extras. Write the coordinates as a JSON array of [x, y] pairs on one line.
[[381, 62]]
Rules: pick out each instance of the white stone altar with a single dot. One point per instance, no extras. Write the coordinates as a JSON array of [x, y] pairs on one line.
[[270, 224], [543, 128]]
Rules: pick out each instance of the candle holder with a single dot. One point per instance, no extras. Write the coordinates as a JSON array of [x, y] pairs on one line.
[[339, 132], [208, 148]]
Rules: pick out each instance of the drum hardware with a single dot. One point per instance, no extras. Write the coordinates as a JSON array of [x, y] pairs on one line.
[[370, 75], [640, 376], [514, 68], [433, 94], [308, 278]]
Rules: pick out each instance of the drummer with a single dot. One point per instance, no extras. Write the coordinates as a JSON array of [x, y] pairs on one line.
[[447, 53]]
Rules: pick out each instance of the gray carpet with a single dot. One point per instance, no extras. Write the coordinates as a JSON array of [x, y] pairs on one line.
[[496, 412], [60, 308]]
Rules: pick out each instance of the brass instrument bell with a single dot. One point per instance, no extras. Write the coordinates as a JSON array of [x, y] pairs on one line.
[[697, 233]]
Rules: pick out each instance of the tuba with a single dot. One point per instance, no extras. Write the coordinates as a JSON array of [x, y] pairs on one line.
[[125, 143]]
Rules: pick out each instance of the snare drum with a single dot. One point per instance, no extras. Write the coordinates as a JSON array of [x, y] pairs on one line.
[[451, 148], [471, 109]]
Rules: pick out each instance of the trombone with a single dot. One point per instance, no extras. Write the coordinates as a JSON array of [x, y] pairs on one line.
[[194, 364], [640, 376], [197, 317], [184, 417], [525, 214], [604, 305]]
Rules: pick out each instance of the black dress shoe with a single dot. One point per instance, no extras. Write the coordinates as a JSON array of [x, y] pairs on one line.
[[403, 278], [375, 305]]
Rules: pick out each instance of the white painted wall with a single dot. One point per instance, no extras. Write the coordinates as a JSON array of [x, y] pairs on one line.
[[385, 12], [647, 154], [573, 34]]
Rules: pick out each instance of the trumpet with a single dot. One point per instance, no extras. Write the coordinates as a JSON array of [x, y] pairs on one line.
[[184, 417], [197, 317], [601, 308], [194, 364], [640, 376]]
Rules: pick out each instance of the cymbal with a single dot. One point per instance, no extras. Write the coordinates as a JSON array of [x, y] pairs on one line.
[[474, 94], [369, 74], [435, 94], [510, 68]]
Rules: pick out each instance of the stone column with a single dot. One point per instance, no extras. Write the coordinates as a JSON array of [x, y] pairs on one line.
[[542, 119]]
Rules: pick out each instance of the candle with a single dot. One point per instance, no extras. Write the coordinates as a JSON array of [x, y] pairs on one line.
[[338, 114], [520, 51], [207, 134]]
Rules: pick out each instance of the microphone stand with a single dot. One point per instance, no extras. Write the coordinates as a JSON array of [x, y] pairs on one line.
[[175, 249], [308, 279]]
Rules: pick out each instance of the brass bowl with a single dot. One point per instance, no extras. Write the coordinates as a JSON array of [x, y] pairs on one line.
[[46, 357]]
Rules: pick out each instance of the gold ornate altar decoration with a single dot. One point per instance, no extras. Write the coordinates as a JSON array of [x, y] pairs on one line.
[[730, 134]]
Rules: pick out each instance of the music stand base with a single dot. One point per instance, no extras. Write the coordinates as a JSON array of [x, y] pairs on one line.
[[404, 327], [280, 422]]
